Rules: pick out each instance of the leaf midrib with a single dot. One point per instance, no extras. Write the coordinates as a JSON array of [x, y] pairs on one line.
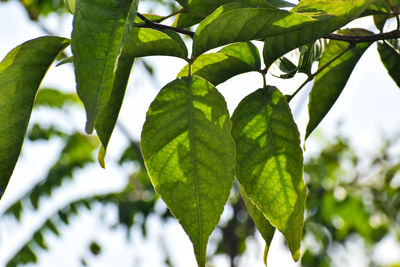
[[192, 145]]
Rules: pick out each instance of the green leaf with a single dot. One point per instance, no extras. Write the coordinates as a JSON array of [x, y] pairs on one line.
[[264, 227], [197, 10], [329, 83], [190, 155], [55, 98], [329, 16], [230, 61], [70, 5], [107, 119], [21, 73], [150, 42], [100, 30], [389, 51], [269, 161]]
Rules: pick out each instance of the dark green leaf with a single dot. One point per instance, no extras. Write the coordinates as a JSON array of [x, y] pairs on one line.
[[269, 161], [329, 83], [230, 61], [389, 51], [108, 116], [264, 227], [21, 73], [100, 30], [328, 17], [95, 248], [189, 154]]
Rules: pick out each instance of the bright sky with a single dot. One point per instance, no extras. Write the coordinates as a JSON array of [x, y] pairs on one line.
[[368, 108]]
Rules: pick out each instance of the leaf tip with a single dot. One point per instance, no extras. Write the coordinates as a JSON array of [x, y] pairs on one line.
[[101, 156]]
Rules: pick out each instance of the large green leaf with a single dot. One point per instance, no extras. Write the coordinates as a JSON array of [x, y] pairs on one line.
[[21, 73], [100, 30], [389, 51], [264, 227], [197, 10], [150, 42], [330, 16], [269, 161], [230, 61], [190, 155], [330, 82]]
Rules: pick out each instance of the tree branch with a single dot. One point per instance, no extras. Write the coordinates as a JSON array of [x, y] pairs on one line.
[[151, 24], [364, 38]]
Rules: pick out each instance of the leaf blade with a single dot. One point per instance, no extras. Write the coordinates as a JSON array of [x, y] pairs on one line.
[[228, 62], [189, 155], [100, 29], [329, 83], [21, 73], [269, 161], [390, 55]]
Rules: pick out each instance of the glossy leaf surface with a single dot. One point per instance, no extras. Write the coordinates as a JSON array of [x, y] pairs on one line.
[[230, 61], [389, 51], [329, 83], [21, 73], [269, 161], [264, 227], [190, 155], [100, 29]]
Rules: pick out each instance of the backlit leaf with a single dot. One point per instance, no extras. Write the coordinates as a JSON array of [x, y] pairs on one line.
[[329, 16], [389, 51], [100, 29], [230, 61], [269, 161], [329, 83], [264, 227], [149, 42], [190, 155], [55, 98], [21, 73]]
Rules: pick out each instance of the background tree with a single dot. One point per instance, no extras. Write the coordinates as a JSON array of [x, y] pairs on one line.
[[189, 118]]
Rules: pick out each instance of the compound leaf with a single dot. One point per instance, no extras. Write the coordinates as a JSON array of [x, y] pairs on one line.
[[230, 61], [190, 156], [269, 161], [330, 82], [21, 73]]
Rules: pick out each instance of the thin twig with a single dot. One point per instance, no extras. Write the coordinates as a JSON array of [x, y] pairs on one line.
[[152, 24], [312, 76], [364, 38]]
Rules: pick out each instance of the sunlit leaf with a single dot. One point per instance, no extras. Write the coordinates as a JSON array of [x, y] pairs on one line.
[[150, 42], [264, 227], [21, 73], [389, 51], [197, 10], [100, 30], [190, 156], [329, 16], [269, 161], [230, 61], [329, 83]]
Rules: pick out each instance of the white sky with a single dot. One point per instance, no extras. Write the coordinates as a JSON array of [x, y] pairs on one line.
[[368, 107]]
